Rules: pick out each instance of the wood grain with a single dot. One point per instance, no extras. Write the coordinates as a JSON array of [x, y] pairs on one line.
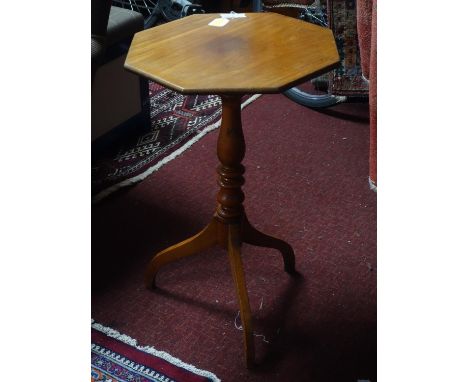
[[261, 53]]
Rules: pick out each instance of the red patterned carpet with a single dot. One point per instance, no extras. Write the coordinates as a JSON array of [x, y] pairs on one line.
[[306, 182]]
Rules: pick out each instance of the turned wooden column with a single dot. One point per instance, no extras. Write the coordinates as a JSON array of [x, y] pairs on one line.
[[229, 227], [231, 151], [230, 211]]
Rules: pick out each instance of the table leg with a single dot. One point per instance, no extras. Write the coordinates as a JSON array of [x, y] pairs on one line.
[[231, 151], [234, 246], [201, 241], [251, 235], [229, 226]]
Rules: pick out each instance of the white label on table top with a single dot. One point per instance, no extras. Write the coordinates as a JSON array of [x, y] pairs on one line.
[[232, 15], [219, 22]]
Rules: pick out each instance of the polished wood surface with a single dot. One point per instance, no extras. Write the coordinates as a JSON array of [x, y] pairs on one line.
[[261, 53], [231, 151], [229, 227]]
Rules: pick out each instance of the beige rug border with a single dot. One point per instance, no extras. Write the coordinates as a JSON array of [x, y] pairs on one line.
[[151, 350]]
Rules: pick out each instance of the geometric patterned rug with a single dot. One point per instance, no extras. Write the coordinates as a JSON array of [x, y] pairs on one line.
[[347, 78], [177, 122], [116, 357]]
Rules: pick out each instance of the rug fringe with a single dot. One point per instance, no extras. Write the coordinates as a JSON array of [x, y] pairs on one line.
[[151, 350], [128, 182]]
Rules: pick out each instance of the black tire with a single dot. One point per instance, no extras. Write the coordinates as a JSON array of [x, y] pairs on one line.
[[314, 101], [312, 94]]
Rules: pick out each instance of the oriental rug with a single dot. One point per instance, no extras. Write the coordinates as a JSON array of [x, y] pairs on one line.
[[177, 122], [347, 79], [116, 357]]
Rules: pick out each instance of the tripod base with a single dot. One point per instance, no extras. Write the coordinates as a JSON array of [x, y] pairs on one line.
[[229, 236]]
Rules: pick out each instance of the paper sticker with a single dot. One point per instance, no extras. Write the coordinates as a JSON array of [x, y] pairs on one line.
[[232, 15], [219, 22]]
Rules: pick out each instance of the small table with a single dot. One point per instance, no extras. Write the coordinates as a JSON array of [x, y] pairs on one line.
[[258, 53]]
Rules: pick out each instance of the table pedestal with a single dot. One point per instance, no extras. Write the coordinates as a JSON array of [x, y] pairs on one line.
[[229, 227]]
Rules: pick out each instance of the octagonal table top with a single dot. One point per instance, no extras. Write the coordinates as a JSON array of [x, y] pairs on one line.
[[259, 53]]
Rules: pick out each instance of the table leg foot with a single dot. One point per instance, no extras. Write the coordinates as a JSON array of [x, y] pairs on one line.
[[251, 235], [234, 246], [205, 239]]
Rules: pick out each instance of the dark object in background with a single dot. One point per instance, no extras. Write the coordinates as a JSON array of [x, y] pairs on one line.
[[99, 16], [160, 11], [175, 9]]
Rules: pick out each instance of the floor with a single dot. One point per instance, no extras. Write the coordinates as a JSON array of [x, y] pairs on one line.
[[306, 182]]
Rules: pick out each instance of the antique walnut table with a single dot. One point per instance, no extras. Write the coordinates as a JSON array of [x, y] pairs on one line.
[[259, 53]]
